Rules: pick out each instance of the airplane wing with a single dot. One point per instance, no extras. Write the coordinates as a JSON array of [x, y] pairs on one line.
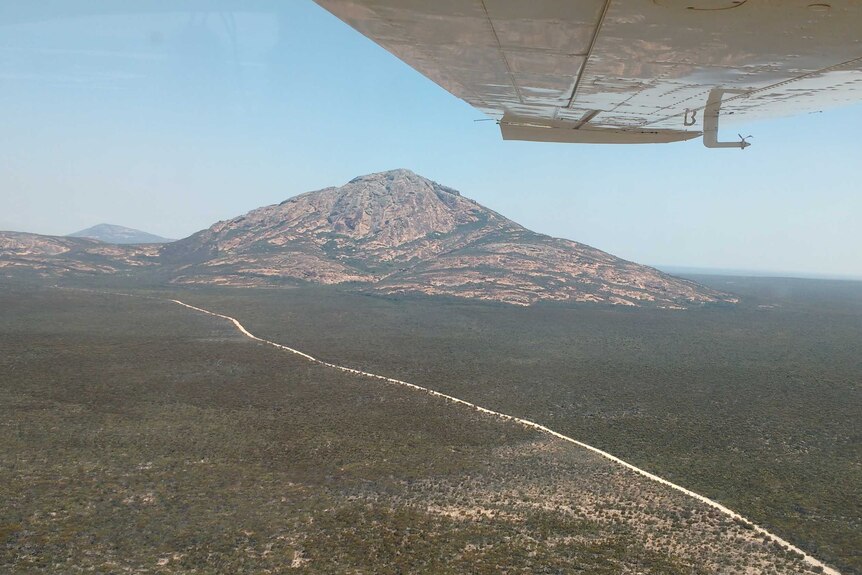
[[624, 71]]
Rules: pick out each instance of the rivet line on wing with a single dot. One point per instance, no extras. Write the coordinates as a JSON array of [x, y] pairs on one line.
[[593, 40], [502, 53]]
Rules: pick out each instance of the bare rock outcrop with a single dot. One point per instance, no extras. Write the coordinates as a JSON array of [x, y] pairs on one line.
[[397, 232]]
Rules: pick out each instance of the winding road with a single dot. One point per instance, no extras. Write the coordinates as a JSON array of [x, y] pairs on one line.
[[526, 423]]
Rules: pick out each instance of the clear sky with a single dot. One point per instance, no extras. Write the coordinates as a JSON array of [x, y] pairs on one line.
[[170, 121]]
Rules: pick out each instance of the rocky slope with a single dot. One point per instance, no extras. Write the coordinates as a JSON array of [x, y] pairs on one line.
[[396, 232], [112, 234], [52, 256]]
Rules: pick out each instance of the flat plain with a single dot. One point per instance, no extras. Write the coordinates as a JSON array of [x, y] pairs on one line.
[[140, 436], [755, 405]]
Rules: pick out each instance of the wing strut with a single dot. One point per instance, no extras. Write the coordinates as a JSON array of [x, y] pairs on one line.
[[710, 121]]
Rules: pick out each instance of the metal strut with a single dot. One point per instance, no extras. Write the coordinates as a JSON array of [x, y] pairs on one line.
[[710, 121]]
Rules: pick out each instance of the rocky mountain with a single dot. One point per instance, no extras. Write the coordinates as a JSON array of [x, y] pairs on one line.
[[397, 232], [53, 256], [392, 232], [111, 234]]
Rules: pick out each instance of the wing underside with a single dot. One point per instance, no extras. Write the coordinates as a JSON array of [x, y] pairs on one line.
[[620, 71]]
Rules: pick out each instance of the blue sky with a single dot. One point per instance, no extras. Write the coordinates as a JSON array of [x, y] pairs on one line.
[[169, 121]]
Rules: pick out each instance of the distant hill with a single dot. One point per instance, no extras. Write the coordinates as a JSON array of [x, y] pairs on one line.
[[111, 234], [397, 232]]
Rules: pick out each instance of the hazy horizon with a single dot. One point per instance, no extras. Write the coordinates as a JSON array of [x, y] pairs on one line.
[[169, 122]]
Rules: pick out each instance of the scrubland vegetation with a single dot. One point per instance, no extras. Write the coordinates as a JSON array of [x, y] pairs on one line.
[[142, 437], [756, 405]]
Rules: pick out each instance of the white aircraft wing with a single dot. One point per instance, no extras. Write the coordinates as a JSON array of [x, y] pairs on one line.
[[624, 71]]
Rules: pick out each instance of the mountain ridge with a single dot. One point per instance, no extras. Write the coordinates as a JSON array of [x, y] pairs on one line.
[[403, 233], [391, 232], [114, 234]]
